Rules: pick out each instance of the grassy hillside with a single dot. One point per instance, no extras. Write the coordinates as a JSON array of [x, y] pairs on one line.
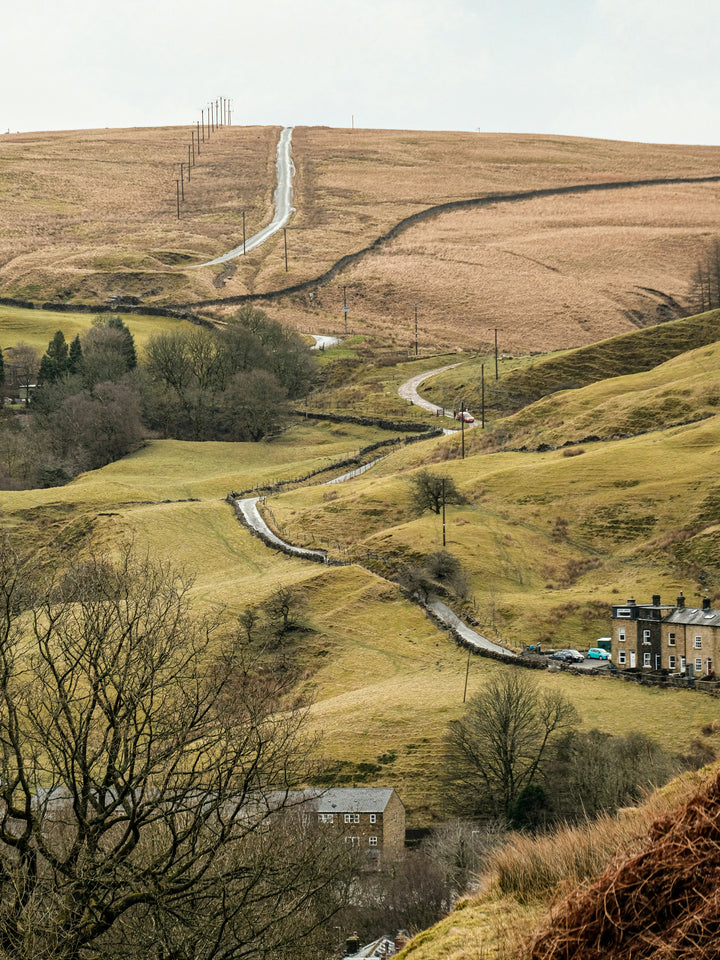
[[524, 381], [37, 327], [384, 678], [89, 214]]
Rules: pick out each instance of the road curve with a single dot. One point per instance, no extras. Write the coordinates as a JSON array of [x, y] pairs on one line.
[[408, 391], [468, 636], [283, 203], [248, 509]]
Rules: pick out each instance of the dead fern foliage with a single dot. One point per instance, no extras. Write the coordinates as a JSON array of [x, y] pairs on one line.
[[662, 904]]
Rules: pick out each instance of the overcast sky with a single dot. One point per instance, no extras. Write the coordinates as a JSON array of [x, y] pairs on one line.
[[621, 69]]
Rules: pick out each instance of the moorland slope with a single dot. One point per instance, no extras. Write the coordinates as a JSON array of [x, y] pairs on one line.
[[90, 214]]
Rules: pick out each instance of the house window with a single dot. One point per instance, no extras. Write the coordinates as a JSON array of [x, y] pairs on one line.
[[621, 656], [698, 664], [352, 818], [646, 660], [326, 817], [621, 634], [373, 818], [373, 841], [352, 840], [698, 643], [646, 636], [624, 613], [671, 639]]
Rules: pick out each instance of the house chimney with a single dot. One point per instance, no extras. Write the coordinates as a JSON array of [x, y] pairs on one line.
[[656, 600], [681, 601], [706, 603]]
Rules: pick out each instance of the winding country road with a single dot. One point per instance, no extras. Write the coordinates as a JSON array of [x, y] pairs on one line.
[[283, 203], [408, 391]]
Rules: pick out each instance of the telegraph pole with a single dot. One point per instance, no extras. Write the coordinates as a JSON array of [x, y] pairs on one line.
[[189, 164], [182, 180], [177, 192], [443, 508], [193, 147], [202, 115], [482, 377]]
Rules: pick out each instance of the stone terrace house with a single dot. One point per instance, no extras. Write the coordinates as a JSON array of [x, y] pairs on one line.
[[657, 636], [373, 818]]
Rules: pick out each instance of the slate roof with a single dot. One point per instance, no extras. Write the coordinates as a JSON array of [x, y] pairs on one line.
[[694, 616], [350, 799]]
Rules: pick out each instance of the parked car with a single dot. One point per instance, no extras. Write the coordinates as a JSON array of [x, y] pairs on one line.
[[567, 656], [596, 653], [464, 415]]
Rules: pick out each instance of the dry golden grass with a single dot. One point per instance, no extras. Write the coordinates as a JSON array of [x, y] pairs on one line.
[[91, 213]]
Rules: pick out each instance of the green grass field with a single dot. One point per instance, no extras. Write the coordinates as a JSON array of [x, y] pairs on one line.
[[548, 541], [37, 327]]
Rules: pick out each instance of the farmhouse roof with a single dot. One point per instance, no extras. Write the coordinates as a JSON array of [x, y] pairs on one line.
[[694, 616], [352, 799]]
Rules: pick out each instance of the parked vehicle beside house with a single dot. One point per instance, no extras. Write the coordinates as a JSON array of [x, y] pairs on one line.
[[567, 656], [597, 653]]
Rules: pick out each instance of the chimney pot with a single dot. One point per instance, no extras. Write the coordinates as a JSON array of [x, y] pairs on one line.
[[706, 603], [681, 601], [656, 599]]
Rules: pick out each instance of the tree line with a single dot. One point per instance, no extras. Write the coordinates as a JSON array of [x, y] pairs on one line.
[[92, 401]]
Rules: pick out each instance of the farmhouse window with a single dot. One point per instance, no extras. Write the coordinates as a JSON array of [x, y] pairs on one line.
[[621, 634], [373, 841], [698, 664], [327, 817], [646, 636], [621, 656], [671, 639], [373, 818], [646, 660], [671, 662], [698, 643], [352, 840], [624, 613], [352, 818]]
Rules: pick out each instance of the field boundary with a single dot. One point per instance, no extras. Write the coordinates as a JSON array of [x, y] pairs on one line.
[[437, 210]]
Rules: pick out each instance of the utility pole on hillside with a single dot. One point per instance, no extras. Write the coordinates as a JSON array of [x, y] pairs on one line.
[[177, 193], [482, 394], [443, 508]]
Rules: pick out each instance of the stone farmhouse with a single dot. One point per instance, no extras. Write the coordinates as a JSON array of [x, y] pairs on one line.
[[372, 818], [671, 637]]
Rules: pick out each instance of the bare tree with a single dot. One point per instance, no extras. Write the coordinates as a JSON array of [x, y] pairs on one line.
[[145, 778], [432, 490], [502, 742]]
